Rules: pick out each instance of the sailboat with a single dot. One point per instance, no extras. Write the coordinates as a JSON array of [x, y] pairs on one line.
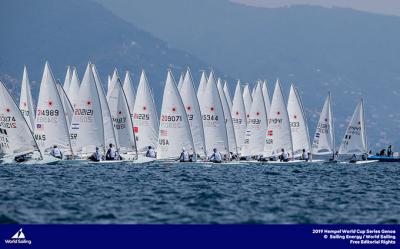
[[213, 119], [73, 91], [239, 117], [51, 126], [180, 82], [123, 124], [129, 91], [228, 119], [355, 139], [16, 138], [257, 125], [67, 81], [298, 124], [87, 130], [189, 99], [324, 138], [267, 100], [228, 95], [202, 86], [26, 102], [278, 134], [174, 133], [145, 118]]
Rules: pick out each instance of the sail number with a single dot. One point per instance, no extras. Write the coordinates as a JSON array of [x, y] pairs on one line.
[[237, 120], [210, 117], [84, 112], [141, 116], [255, 121], [168, 118], [294, 124], [48, 112]]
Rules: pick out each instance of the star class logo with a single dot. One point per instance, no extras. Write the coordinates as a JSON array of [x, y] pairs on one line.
[[50, 103], [257, 113], [89, 103], [295, 116], [174, 109], [18, 238], [237, 113], [24, 104], [144, 108], [8, 110], [212, 109], [189, 108], [278, 113], [119, 112]]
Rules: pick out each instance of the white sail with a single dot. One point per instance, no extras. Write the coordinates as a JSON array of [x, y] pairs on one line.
[[109, 130], [121, 116], [247, 100], [111, 82], [213, 118], [355, 139], [87, 131], [68, 109], [174, 133], [130, 92], [181, 78], [26, 102], [267, 100], [257, 125], [298, 123], [51, 127], [145, 116], [67, 81], [74, 87], [239, 117], [108, 84], [324, 142], [230, 130], [228, 95], [192, 106], [15, 136], [253, 91], [278, 133], [202, 86]]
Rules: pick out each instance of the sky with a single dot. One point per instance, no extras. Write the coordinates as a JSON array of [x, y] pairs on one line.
[[387, 7]]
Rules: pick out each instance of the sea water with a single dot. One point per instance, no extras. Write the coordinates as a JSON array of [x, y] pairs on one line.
[[200, 193]]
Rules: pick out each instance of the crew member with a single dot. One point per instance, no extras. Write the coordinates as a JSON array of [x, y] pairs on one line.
[[96, 156], [184, 157], [216, 157], [56, 152], [151, 152], [111, 153]]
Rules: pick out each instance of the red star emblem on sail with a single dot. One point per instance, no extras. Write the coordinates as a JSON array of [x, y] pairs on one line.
[[173, 109], [212, 109], [144, 108], [189, 108], [50, 103], [278, 113], [88, 102], [8, 110]]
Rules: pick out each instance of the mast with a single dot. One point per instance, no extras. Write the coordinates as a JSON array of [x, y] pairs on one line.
[[333, 127]]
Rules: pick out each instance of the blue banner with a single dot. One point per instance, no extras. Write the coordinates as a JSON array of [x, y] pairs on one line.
[[199, 236]]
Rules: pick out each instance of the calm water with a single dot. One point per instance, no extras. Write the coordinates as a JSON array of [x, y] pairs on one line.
[[184, 193]]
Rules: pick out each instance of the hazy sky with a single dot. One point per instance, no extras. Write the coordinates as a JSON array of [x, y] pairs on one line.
[[389, 7]]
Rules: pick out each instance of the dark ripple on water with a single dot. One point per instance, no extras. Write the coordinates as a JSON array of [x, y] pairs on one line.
[[184, 193]]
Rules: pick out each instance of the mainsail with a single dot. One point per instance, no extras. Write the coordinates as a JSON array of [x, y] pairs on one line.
[[180, 81], [67, 81], [192, 107], [26, 102], [278, 133], [355, 139], [68, 109], [129, 92], [257, 124], [228, 95], [213, 118], [87, 130], [74, 87], [267, 100], [202, 86], [15, 136], [239, 117], [51, 127], [145, 116], [324, 139], [247, 100], [298, 123], [228, 119], [174, 133]]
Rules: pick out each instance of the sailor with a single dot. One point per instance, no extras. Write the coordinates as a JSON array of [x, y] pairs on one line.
[[273, 156], [216, 157], [284, 157], [184, 157], [151, 152], [353, 158], [192, 156], [382, 152], [95, 157], [118, 155], [21, 158], [56, 152], [111, 153], [304, 155], [389, 151], [335, 157]]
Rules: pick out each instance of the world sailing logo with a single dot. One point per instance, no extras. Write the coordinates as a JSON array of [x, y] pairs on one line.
[[18, 238]]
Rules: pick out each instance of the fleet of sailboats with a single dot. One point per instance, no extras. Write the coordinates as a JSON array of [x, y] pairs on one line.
[[80, 119]]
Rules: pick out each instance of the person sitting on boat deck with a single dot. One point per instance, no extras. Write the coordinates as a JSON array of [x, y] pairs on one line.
[[273, 156], [56, 152], [118, 155], [389, 151], [382, 152], [233, 156], [184, 157], [353, 158], [284, 157], [96, 156], [151, 152], [111, 153], [335, 157], [21, 158], [364, 156], [304, 156], [192, 156], [216, 157]]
